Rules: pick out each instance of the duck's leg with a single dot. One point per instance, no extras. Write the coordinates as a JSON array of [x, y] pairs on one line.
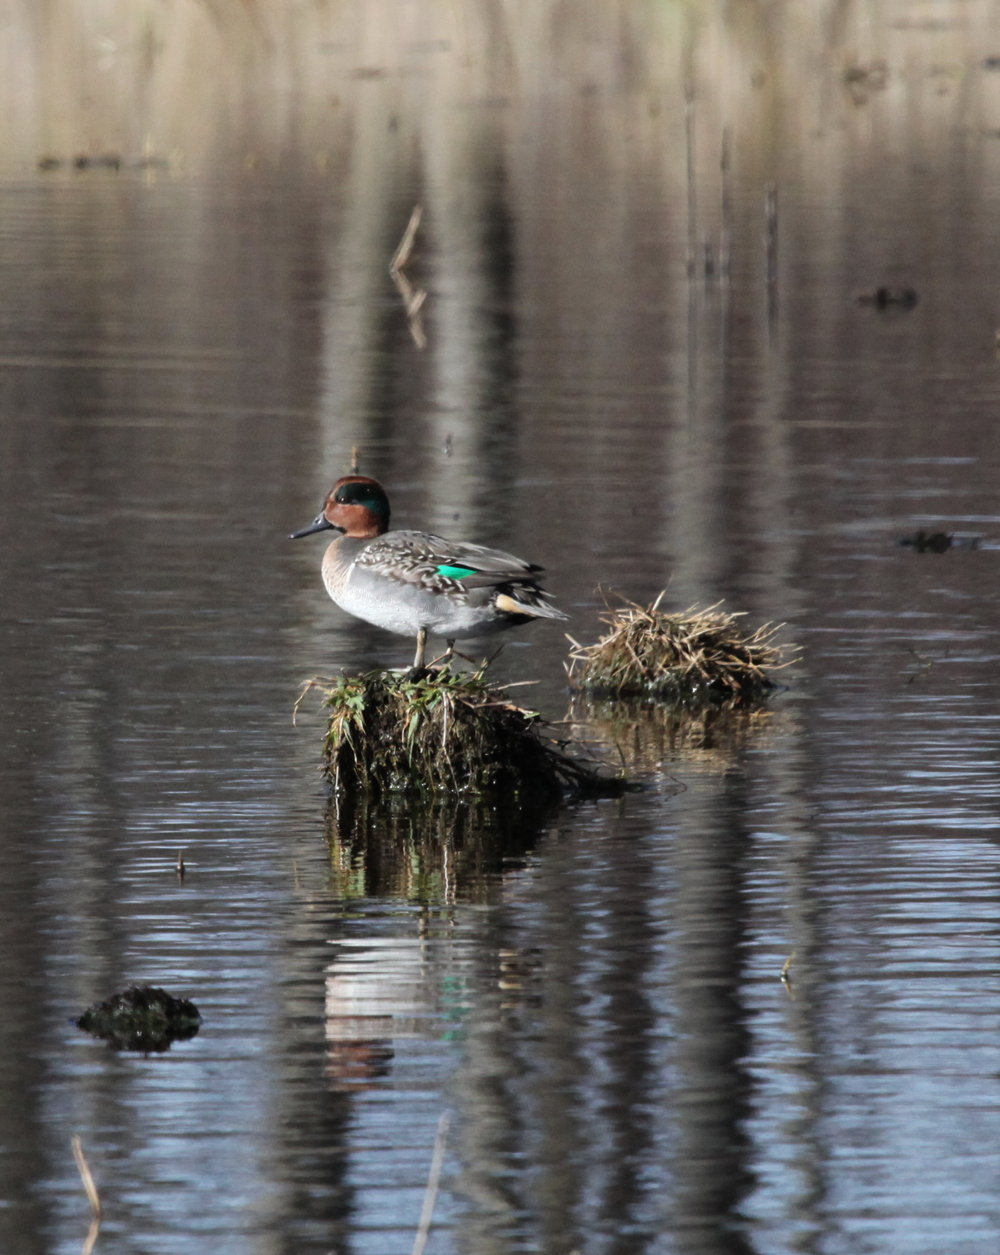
[[418, 662]]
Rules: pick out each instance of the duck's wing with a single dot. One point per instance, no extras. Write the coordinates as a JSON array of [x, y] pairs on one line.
[[441, 565]]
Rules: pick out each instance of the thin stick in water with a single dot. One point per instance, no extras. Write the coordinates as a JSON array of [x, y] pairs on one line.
[[430, 1194], [90, 1241], [725, 240], [771, 215], [86, 1176], [692, 204], [402, 254]]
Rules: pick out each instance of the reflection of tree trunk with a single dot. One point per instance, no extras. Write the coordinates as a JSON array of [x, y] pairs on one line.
[[138, 411], [26, 1218], [709, 1086], [631, 1052], [312, 1120], [571, 1097]]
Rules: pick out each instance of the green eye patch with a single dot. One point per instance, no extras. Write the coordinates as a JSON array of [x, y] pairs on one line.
[[455, 572]]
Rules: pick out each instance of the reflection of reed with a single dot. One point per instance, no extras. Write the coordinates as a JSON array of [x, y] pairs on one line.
[[430, 1194], [90, 1188], [438, 851], [413, 296], [648, 736]]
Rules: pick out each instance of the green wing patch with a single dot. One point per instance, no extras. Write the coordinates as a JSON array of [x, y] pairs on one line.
[[455, 572]]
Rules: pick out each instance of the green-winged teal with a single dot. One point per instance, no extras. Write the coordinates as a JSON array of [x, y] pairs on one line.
[[415, 583]]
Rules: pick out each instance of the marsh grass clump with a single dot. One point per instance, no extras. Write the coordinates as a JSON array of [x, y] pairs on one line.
[[438, 731], [693, 657]]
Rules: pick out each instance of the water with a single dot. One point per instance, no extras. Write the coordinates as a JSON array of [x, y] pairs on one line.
[[592, 992]]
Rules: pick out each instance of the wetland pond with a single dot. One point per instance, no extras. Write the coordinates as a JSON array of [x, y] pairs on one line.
[[593, 991]]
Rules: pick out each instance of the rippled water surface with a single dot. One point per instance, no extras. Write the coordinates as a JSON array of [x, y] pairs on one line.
[[592, 993]]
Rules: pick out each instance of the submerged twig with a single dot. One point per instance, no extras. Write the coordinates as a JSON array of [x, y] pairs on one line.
[[402, 254]]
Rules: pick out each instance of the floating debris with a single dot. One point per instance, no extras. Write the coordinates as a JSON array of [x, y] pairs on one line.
[[102, 161], [435, 730], [97, 161], [693, 657], [890, 298], [141, 1017], [939, 542], [862, 80], [928, 542]]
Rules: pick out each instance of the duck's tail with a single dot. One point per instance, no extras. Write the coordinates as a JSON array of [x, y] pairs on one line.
[[530, 602]]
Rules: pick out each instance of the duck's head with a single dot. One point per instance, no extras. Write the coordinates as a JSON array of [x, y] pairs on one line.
[[356, 505]]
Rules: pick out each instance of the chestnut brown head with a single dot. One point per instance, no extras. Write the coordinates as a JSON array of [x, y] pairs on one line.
[[356, 506]]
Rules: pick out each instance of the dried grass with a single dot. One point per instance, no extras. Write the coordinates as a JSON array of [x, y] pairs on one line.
[[444, 732], [692, 657]]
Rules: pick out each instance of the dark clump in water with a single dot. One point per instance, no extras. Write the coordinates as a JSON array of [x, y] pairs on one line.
[[141, 1017], [890, 298], [928, 542], [97, 161]]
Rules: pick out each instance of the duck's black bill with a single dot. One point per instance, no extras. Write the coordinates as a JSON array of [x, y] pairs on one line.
[[319, 524]]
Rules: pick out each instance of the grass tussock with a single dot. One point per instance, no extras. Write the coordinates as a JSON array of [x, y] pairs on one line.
[[444, 732], [695, 656]]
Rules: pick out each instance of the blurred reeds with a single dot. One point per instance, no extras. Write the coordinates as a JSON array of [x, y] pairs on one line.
[[206, 83]]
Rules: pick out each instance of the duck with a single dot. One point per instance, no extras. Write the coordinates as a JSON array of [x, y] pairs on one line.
[[415, 583]]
